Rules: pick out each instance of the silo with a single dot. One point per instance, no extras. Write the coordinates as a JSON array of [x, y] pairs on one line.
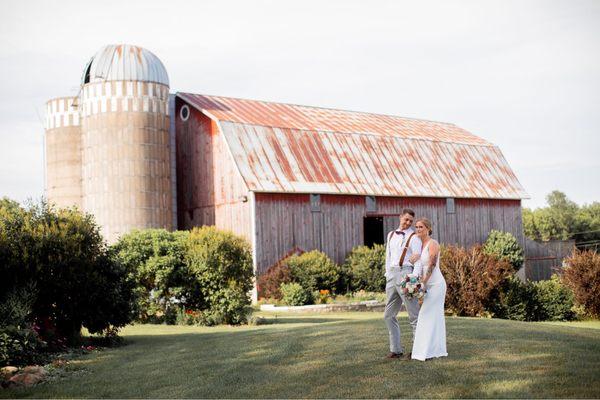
[[125, 140], [63, 152]]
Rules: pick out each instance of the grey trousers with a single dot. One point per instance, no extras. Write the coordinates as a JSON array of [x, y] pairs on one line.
[[394, 301]]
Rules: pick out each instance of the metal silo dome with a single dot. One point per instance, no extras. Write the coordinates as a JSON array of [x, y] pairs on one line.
[[124, 62]]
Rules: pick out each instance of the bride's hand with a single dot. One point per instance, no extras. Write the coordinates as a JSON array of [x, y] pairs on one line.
[[414, 258]]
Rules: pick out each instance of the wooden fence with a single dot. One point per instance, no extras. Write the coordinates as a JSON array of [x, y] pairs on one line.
[[542, 259]]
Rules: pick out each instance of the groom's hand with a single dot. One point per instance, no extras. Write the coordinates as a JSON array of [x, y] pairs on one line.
[[413, 258]]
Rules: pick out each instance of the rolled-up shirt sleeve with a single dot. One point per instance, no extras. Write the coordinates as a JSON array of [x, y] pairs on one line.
[[415, 246], [387, 256]]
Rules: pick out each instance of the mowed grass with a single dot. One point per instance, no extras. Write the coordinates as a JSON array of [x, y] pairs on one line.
[[336, 356]]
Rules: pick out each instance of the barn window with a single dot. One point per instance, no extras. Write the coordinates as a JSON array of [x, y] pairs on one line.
[[315, 202], [450, 205], [184, 112], [371, 203]]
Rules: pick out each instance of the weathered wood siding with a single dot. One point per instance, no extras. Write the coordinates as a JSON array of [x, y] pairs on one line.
[[286, 220], [542, 259], [210, 191], [471, 222]]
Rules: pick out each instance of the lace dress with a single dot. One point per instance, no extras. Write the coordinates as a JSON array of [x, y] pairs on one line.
[[430, 335]]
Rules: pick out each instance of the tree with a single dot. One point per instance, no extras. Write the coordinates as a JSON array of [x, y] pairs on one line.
[[563, 219], [587, 223], [529, 228], [63, 254], [562, 214]]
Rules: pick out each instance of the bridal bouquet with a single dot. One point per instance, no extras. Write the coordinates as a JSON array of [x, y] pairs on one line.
[[412, 287]]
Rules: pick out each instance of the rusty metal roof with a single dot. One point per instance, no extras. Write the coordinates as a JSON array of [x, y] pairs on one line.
[[299, 149]]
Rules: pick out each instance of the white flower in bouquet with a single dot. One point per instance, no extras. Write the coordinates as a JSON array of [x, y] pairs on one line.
[[412, 287]]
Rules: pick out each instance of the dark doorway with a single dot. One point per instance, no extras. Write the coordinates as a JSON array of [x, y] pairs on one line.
[[373, 231]]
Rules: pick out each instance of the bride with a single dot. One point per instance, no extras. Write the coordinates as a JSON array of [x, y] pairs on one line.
[[430, 335]]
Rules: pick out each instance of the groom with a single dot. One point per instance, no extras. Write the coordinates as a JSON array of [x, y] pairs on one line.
[[401, 245]]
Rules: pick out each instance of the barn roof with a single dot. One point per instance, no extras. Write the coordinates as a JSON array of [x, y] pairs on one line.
[[290, 148]]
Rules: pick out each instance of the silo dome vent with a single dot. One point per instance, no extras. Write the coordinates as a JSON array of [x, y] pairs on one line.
[[124, 62]]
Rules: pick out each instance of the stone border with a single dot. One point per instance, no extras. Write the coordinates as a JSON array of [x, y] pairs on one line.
[[369, 305]]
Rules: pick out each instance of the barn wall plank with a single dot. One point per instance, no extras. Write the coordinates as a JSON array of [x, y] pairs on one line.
[[285, 221], [210, 191]]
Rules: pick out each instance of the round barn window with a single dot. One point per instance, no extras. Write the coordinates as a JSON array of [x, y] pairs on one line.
[[184, 113]]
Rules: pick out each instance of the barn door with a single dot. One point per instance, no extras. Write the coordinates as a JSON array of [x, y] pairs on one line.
[[373, 231]]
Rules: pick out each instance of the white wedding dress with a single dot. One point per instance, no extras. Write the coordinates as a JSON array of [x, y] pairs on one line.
[[430, 336]]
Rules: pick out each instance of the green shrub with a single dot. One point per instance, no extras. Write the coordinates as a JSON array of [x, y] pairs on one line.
[[517, 301], [62, 252], [220, 267], [16, 306], [155, 261], [295, 295], [366, 268], [19, 346], [505, 246], [582, 276], [111, 297], [535, 301], [198, 277], [472, 277], [313, 270], [19, 343], [556, 301]]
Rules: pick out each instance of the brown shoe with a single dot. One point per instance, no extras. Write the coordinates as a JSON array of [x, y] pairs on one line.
[[407, 356], [394, 355]]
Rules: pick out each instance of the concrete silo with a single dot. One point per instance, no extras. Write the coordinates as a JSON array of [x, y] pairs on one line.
[[63, 152], [126, 166]]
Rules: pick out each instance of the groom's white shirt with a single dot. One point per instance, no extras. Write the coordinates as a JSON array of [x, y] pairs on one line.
[[394, 246]]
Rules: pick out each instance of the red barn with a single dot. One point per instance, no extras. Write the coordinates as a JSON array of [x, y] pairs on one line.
[[286, 176]]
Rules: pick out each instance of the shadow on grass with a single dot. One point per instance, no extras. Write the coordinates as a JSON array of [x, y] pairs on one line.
[[300, 320], [488, 358]]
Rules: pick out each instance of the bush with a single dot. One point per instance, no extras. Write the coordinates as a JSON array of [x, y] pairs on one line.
[[17, 305], [535, 301], [366, 268], [155, 261], [220, 267], [295, 295], [269, 283], [473, 278], [62, 252], [111, 301], [19, 343], [313, 270], [19, 346], [556, 301], [198, 277], [322, 296], [582, 276], [505, 246], [517, 301]]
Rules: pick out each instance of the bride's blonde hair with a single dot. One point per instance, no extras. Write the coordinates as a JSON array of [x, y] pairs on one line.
[[427, 224]]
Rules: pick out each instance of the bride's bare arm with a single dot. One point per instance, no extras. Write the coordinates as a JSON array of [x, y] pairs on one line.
[[434, 252]]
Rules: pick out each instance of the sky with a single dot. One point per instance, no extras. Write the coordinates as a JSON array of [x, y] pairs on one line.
[[524, 75]]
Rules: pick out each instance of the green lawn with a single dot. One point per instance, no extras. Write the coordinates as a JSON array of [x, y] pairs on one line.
[[333, 356]]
